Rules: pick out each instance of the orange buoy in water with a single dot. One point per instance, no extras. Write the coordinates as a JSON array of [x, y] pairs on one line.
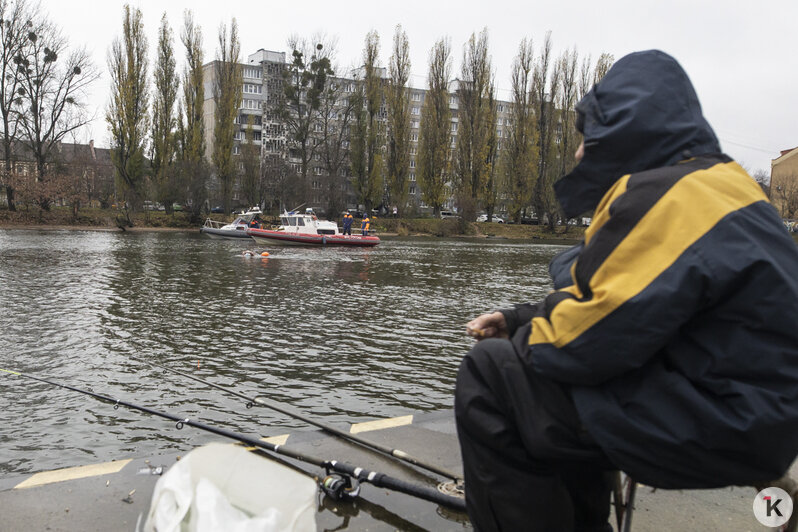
[[264, 254]]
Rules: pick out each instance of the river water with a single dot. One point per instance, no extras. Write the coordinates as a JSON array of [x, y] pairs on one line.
[[344, 335]]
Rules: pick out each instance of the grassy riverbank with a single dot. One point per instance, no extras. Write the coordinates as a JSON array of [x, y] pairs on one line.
[[106, 219]]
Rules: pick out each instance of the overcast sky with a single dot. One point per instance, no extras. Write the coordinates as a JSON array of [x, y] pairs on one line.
[[741, 55]]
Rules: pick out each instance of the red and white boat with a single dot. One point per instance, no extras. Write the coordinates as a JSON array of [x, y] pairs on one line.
[[307, 230]]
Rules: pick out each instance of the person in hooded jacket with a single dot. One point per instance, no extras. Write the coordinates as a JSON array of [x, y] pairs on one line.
[[669, 347]]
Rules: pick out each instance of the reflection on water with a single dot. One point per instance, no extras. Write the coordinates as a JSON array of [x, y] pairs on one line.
[[341, 334]]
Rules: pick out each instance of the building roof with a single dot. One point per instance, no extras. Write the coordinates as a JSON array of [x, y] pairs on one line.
[[785, 154]]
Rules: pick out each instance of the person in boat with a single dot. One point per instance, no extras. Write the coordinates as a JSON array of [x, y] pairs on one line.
[[668, 348], [254, 223], [347, 223], [364, 227]]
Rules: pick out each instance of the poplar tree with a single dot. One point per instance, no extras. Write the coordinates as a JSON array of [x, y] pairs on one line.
[[251, 182], [164, 105], [193, 145], [435, 131], [545, 89], [368, 165], [127, 114], [565, 105], [603, 64], [227, 98], [193, 167], [491, 156], [398, 104], [520, 154], [472, 160]]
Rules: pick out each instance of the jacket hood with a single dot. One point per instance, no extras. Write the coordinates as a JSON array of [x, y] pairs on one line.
[[643, 114]]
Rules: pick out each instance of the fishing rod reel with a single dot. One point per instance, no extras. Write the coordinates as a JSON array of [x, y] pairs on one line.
[[339, 487]]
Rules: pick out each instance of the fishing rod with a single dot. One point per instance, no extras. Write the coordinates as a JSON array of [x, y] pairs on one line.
[[336, 486], [396, 453]]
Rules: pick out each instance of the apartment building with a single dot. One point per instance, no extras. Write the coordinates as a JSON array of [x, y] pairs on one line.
[[262, 81]]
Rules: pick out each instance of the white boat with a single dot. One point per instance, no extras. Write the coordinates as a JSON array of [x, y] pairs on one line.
[[235, 229], [307, 230]]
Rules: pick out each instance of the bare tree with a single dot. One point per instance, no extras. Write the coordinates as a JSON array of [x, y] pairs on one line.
[[435, 132], [398, 104], [762, 178], [336, 118], [167, 84], [227, 97], [298, 104], [785, 195], [15, 24], [127, 111], [52, 92]]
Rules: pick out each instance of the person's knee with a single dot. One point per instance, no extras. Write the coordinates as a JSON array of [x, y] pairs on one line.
[[480, 370], [485, 357]]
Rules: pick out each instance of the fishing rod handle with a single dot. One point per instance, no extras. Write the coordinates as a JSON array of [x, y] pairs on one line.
[[382, 480]]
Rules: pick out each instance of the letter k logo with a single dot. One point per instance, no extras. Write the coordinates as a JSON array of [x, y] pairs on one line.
[[773, 506]]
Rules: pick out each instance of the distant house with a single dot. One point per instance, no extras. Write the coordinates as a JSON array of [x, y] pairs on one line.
[[89, 166], [784, 183]]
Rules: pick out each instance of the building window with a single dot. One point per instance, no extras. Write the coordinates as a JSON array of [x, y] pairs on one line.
[[251, 88], [413, 190], [250, 104], [499, 132], [452, 100], [415, 111], [414, 124], [412, 163], [414, 137], [251, 72], [416, 96], [413, 150], [413, 177], [236, 149], [454, 127]]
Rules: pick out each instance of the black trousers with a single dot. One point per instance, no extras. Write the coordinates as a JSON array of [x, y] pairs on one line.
[[529, 464]]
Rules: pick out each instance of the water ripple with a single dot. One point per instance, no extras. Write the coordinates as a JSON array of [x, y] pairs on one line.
[[344, 335]]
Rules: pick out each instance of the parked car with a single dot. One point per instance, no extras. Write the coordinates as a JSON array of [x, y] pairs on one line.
[[177, 207], [495, 218], [218, 210], [448, 214]]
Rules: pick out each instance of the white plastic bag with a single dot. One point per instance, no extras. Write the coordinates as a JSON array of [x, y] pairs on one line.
[[221, 487]]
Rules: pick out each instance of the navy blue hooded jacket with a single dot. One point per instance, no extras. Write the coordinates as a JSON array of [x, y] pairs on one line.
[[678, 333]]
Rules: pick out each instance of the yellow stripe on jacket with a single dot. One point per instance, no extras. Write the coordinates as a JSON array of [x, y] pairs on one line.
[[681, 216]]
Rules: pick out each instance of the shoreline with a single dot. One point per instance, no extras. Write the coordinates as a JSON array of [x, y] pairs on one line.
[[108, 229], [148, 229]]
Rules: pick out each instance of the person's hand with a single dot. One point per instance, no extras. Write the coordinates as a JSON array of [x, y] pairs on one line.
[[491, 325]]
